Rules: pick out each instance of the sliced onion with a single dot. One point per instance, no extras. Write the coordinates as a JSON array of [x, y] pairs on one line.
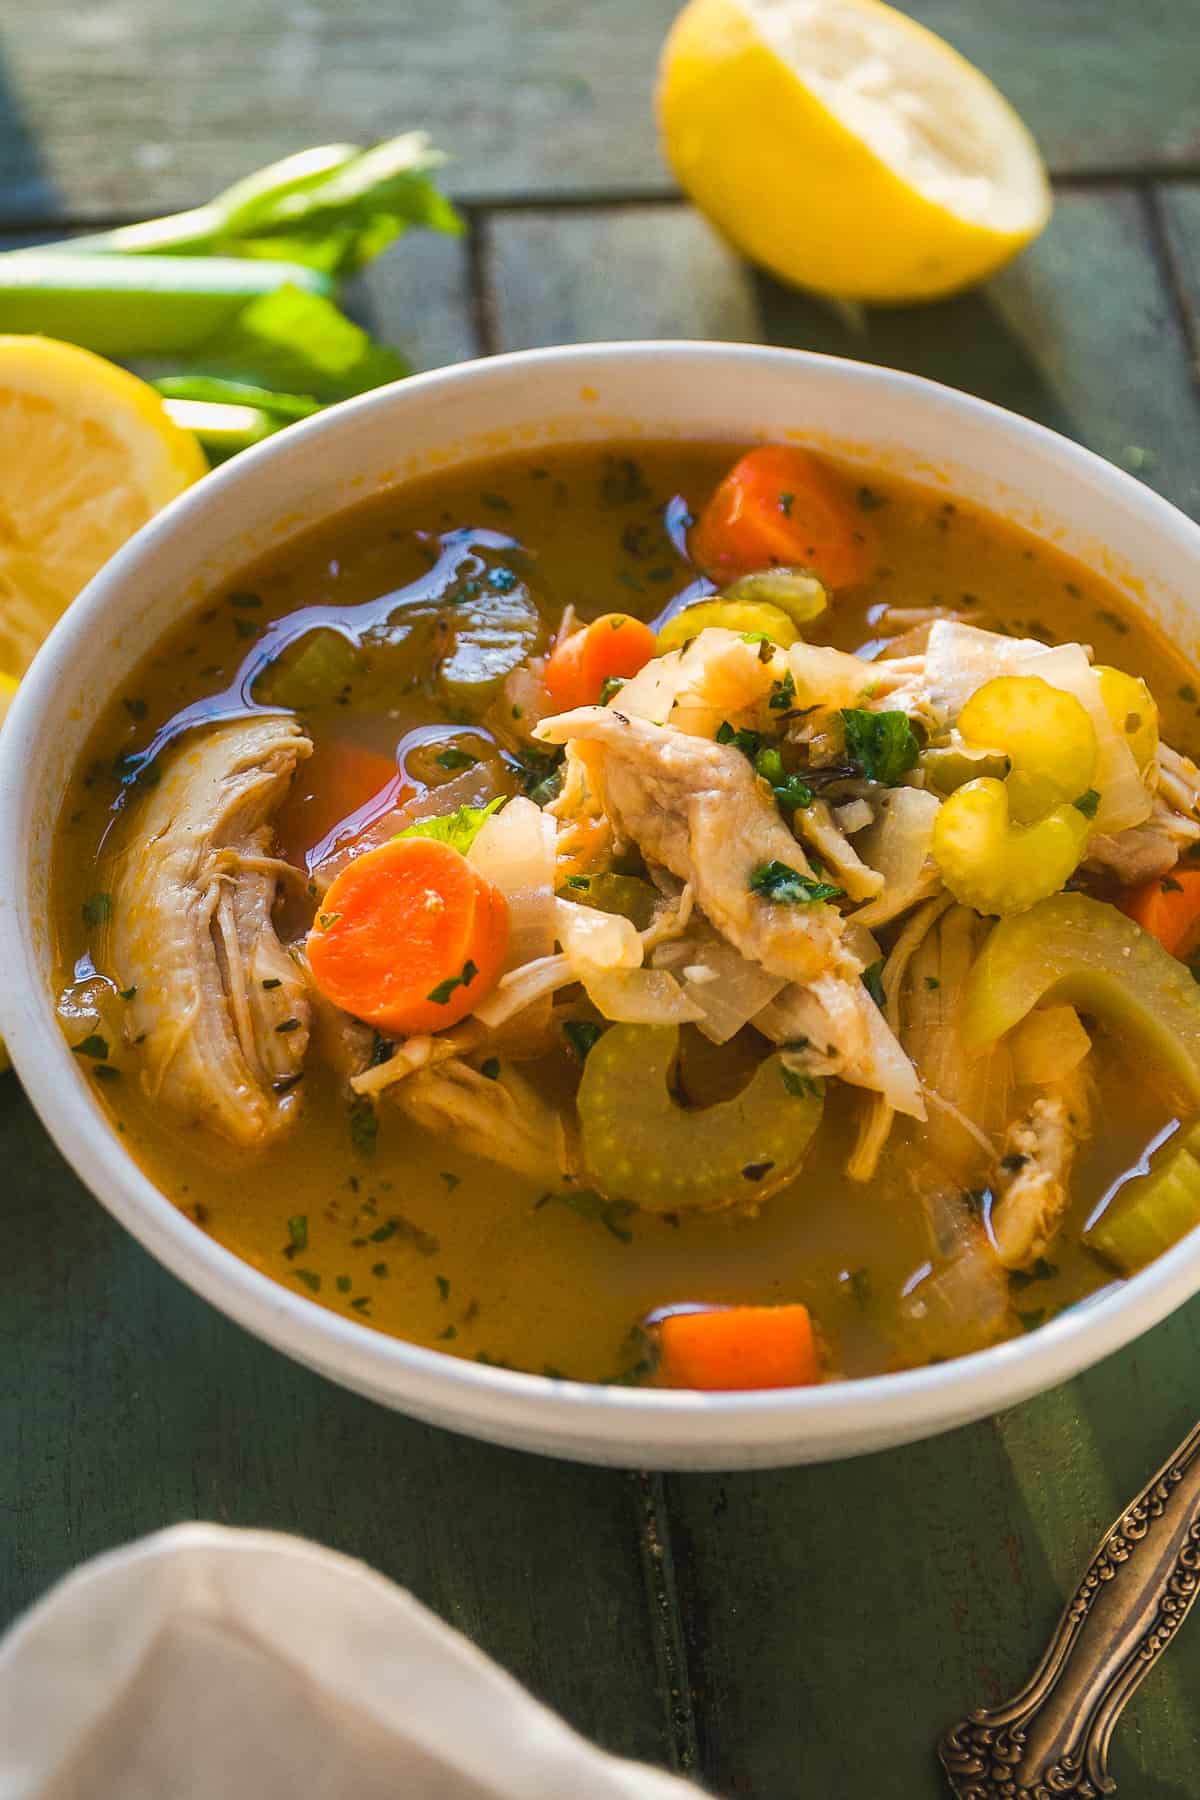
[[596, 940], [960, 658], [515, 850], [728, 989], [898, 846], [640, 997], [1124, 798]]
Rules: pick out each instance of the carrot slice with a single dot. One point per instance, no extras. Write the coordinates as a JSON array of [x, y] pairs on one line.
[[1168, 907], [781, 507], [409, 937], [733, 1347], [614, 646]]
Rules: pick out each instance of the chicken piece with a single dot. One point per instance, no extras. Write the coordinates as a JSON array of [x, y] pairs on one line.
[[502, 1120], [219, 1010], [820, 829], [1031, 1186], [843, 1033], [698, 808], [1145, 851]]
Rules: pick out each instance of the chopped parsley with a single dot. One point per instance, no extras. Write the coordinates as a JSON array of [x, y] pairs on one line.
[[272, 981], [364, 1125], [748, 742], [451, 1181], [443, 1286], [782, 694], [297, 1234], [623, 483], [883, 744], [288, 1025], [93, 1045], [310, 1278], [440, 995], [343, 1284], [1088, 803], [451, 1331], [459, 829], [106, 1072], [490, 1068], [1018, 1279], [1029, 1321], [497, 502], [869, 500], [591, 1205], [452, 759], [582, 1035], [786, 502], [612, 685], [1169, 885], [800, 1086], [245, 600], [129, 993], [402, 1230], [872, 980], [932, 983], [380, 1271], [757, 1171], [98, 909], [857, 1283], [784, 886], [325, 920]]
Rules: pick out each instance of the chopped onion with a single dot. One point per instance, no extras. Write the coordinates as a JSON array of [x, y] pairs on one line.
[[640, 997], [726, 987], [515, 850], [596, 940], [898, 845], [855, 816], [960, 658]]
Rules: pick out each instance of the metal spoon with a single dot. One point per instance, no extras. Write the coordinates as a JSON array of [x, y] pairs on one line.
[[1052, 1738]]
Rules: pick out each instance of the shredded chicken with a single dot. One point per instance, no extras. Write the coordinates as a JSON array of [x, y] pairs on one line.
[[1032, 1182], [220, 1009], [502, 1120], [842, 1032], [1145, 850], [698, 808], [819, 828]]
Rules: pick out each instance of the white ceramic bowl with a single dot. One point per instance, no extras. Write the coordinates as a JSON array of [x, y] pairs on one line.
[[889, 421]]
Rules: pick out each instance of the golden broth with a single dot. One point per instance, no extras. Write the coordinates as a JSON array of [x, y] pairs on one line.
[[408, 1233]]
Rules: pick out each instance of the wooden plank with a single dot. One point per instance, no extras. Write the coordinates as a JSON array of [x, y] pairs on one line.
[[837, 1619], [417, 297], [126, 1404], [146, 106], [1180, 212], [1081, 332]]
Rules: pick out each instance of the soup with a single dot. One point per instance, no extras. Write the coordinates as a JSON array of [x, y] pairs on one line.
[[630, 918]]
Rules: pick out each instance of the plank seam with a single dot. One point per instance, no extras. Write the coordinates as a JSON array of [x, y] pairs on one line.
[[480, 291], [588, 199], [666, 1620], [1171, 272]]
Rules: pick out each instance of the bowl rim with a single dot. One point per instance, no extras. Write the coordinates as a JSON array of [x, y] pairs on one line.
[[561, 1415]]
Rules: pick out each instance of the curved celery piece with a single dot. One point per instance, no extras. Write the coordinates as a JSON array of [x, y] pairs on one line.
[[751, 617], [950, 766], [1047, 736], [641, 1146], [796, 592], [312, 671], [493, 635], [995, 865], [1151, 1212], [1133, 710], [1074, 948], [628, 895]]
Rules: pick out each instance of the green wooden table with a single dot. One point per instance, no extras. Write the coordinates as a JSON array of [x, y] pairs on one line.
[[806, 1632]]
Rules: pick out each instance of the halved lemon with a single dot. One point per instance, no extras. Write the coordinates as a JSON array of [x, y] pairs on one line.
[[846, 148], [87, 454]]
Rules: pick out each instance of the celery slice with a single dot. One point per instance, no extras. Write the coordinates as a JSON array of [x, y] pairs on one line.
[[640, 1145], [1074, 948], [1150, 1214]]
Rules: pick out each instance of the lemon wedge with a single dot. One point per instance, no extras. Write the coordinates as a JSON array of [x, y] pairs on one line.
[[846, 148], [89, 454]]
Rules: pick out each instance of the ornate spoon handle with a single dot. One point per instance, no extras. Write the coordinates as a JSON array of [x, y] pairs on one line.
[[1052, 1739]]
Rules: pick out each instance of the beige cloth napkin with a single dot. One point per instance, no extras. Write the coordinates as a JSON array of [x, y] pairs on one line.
[[205, 1664]]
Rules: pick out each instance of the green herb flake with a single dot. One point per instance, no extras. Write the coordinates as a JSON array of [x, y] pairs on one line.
[[1088, 803], [591, 1205], [136, 708], [106, 1072], [327, 920], [129, 993], [452, 760], [581, 883], [398, 1229], [364, 1125], [1169, 885], [245, 600], [872, 980], [490, 1068], [288, 1025], [272, 981], [343, 1284], [622, 483], [1030, 1321], [782, 694], [443, 1286], [612, 685], [883, 744], [246, 628], [748, 742], [582, 1035], [451, 1181], [310, 1278], [1188, 694], [786, 502], [800, 1086], [445, 1337], [932, 983], [775, 882], [440, 995], [496, 502], [361, 1303], [857, 1283], [93, 1045], [869, 500], [98, 909], [298, 1232], [380, 1271], [459, 829]]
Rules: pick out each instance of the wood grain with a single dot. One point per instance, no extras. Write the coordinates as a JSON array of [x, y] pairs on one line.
[[127, 1404], [140, 106]]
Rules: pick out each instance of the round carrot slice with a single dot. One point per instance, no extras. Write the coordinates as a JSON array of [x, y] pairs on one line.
[[409, 937], [781, 507], [616, 645], [731, 1347]]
